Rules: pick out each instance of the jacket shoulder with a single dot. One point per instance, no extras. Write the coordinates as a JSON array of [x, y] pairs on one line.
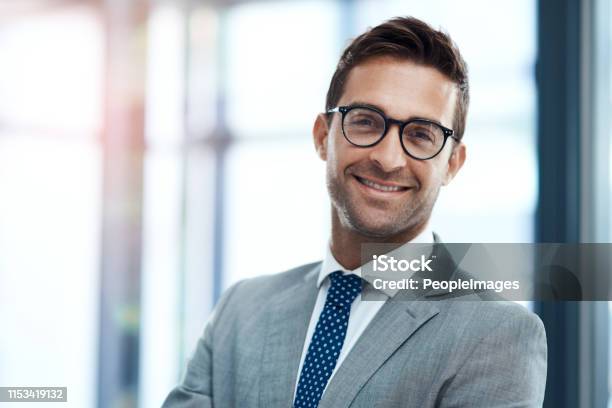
[[482, 317], [279, 280], [256, 290]]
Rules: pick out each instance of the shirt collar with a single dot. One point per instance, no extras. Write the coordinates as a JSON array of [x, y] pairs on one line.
[[330, 264]]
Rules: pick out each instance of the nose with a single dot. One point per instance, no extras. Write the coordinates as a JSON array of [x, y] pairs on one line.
[[388, 153]]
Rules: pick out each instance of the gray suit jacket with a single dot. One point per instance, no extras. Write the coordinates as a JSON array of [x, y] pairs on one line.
[[443, 352]]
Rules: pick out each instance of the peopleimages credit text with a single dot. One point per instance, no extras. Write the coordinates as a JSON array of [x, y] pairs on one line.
[[385, 263], [450, 285]]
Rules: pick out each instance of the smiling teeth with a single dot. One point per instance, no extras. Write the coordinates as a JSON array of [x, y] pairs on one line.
[[379, 186]]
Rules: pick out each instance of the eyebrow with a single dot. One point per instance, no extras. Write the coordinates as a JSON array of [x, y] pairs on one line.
[[378, 108]]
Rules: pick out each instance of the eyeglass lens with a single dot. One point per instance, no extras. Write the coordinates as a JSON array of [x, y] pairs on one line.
[[365, 127]]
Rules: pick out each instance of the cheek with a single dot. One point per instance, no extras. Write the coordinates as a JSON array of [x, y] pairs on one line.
[[429, 175], [332, 158], [340, 155]]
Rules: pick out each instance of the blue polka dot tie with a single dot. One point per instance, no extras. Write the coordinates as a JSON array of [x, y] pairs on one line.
[[327, 339]]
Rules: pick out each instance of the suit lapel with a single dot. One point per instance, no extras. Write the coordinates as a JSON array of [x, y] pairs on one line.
[[288, 318], [393, 325]]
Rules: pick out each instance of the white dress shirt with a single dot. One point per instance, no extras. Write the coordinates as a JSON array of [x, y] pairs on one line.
[[362, 312]]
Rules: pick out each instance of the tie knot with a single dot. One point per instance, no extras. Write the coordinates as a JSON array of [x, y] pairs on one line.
[[344, 288]]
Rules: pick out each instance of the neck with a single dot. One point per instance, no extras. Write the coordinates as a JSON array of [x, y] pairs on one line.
[[346, 242]]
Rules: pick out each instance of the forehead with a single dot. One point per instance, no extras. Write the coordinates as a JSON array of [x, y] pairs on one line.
[[402, 89]]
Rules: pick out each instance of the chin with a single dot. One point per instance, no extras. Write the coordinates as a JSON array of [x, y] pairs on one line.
[[374, 229]]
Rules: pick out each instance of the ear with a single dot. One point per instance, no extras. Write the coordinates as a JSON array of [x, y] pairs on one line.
[[320, 131], [455, 162]]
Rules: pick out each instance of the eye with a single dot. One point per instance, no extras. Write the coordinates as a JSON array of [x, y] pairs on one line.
[[423, 133], [363, 120], [420, 134]]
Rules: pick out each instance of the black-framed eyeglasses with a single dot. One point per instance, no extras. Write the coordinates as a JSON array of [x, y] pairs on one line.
[[365, 126]]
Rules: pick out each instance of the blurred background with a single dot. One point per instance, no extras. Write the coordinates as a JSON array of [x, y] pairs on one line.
[[154, 152]]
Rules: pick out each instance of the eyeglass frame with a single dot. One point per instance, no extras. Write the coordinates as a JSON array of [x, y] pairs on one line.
[[387, 120]]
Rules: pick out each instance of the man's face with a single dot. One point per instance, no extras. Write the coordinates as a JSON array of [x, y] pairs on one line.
[[358, 179]]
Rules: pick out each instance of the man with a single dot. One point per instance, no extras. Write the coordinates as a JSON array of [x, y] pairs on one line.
[[305, 338]]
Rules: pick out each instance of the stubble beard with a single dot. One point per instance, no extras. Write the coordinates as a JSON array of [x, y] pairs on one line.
[[414, 214]]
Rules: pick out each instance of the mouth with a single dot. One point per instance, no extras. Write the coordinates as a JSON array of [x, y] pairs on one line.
[[380, 186]]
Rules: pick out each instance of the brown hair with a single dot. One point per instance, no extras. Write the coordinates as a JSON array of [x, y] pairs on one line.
[[412, 39]]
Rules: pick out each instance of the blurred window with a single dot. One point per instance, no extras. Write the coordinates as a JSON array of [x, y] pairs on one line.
[[279, 59], [50, 178]]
